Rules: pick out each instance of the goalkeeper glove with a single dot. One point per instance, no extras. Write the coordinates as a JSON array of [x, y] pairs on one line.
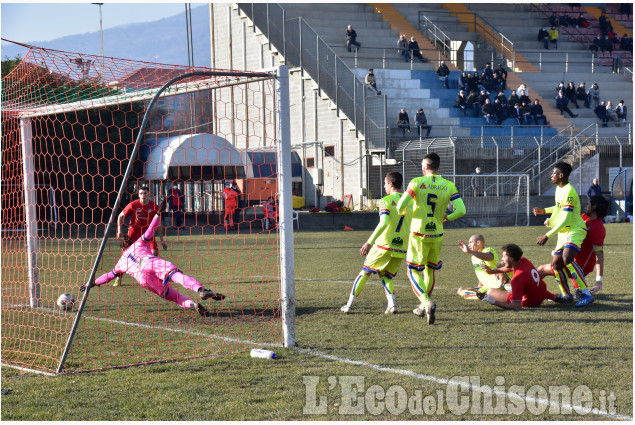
[[84, 286]]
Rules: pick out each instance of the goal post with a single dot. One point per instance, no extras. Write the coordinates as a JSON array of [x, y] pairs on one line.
[[93, 135]]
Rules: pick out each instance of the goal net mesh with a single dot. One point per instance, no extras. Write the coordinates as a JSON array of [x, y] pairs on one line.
[[69, 123]]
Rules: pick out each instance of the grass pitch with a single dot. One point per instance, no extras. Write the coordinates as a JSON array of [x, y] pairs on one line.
[[367, 365]]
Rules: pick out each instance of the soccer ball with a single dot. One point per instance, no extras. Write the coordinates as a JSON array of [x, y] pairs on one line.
[[66, 301]]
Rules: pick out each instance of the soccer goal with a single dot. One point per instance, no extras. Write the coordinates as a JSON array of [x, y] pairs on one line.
[[91, 131]]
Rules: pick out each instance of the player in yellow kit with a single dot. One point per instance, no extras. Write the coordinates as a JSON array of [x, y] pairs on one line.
[[566, 222], [431, 194], [387, 246], [482, 255]]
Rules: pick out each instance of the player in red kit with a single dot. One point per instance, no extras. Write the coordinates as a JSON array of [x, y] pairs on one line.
[[141, 212], [528, 288]]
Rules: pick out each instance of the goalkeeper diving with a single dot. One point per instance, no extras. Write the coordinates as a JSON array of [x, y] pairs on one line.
[[154, 273]]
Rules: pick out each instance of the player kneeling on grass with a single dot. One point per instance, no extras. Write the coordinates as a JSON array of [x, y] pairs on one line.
[[591, 253], [387, 246], [528, 288], [481, 256], [154, 273]]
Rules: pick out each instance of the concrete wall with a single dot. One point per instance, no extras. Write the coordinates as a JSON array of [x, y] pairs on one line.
[[237, 45]]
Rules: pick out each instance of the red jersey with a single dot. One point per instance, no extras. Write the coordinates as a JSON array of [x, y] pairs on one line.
[[596, 232], [230, 196], [141, 216], [527, 285]]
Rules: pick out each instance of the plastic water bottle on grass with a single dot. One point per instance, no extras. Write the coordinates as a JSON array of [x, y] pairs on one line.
[[263, 354]]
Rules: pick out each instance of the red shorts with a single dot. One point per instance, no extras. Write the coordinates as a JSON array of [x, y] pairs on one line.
[[588, 268], [533, 300]]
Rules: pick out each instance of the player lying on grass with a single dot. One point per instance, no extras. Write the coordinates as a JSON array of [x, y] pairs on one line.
[[386, 247], [481, 256], [154, 273], [566, 222], [528, 288], [591, 253]]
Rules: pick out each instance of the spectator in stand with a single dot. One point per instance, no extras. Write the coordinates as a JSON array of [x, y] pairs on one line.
[[351, 38], [582, 95], [594, 189], [554, 20], [422, 121], [621, 111], [461, 102], [403, 121], [474, 81], [582, 22], [562, 104], [626, 8], [487, 84], [525, 110], [605, 23], [371, 82], [602, 44], [524, 98], [414, 49], [474, 100], [499, 110], [560, 87], [444, 74], [600, 112], [610, 113], [626, 43], [463, 82], [500, 76], [537, 113], [402, 44], [516, 114], [513, 100], [489, 76], [543, 37], [553, 36], [594, 94], [489, 112], [520, 88], [570, 92], [502, 100]]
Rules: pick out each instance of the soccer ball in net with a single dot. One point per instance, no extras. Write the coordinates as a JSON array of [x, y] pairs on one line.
[[66, 301]]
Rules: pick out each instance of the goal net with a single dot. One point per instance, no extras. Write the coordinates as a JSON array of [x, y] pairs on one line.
[[69, 166]]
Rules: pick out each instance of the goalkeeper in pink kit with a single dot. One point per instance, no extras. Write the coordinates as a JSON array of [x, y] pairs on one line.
[[154, 273]]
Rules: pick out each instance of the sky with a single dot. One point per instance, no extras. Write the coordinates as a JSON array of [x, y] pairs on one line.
[[28, 22]]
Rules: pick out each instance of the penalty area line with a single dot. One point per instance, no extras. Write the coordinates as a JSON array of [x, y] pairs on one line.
[[474, 388]]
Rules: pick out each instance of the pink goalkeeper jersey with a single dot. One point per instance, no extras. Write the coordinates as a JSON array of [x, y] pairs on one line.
[[138, 261]]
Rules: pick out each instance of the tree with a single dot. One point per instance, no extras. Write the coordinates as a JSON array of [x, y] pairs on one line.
[[9, 64]]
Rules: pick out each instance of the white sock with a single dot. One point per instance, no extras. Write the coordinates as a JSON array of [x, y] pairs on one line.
[[351, 299], [391, 300]]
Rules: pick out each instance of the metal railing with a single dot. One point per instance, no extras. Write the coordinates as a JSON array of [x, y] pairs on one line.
[[302, 47], [474, 23]]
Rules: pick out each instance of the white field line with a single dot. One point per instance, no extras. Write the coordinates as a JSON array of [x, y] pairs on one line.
[[475, 388], [404, 372]]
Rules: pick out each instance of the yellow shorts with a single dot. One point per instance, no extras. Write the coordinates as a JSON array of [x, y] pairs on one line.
[[572, 239], [424, 252], [382, 261]]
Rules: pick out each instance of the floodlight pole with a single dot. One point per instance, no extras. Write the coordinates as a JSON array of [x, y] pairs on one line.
[[115, 207], [101, 37]]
